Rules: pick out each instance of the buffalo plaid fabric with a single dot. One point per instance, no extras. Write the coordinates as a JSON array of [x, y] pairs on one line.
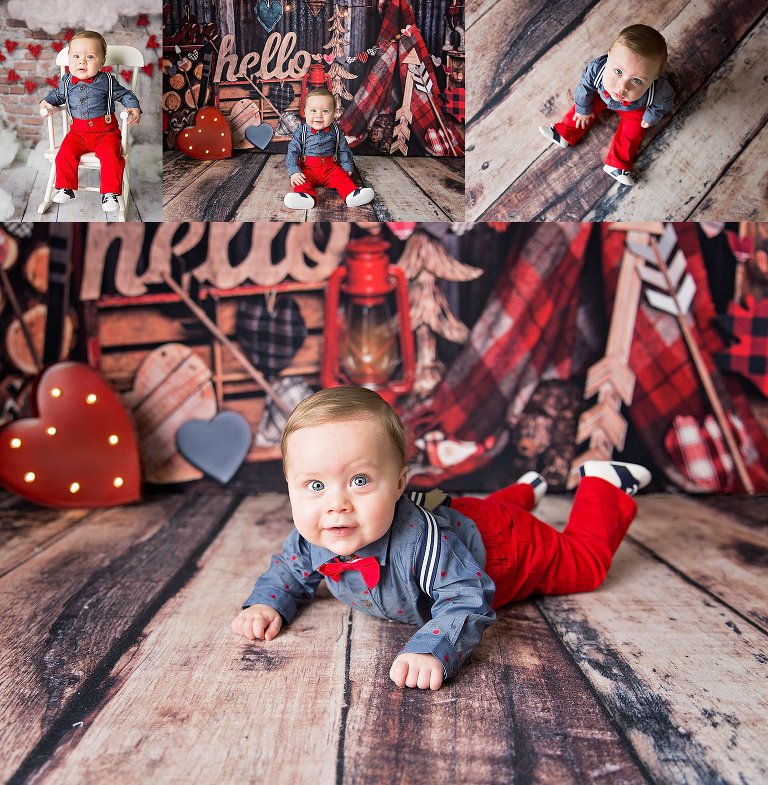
[[270, 340], [531, 327], [748, 324], [376, 94], [455, 102], [667, 383], [701, 453]]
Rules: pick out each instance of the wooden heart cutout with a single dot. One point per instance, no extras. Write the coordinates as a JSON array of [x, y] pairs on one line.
[[259, 135], [217, 447], [242, 115], [209, 138], [79, 451]]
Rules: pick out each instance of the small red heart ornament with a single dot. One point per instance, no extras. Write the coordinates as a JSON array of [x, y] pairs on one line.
[[30, 85], [68, 35], [2, 57], [13, 76], [142, 21], [148, 68], [80, 451], [53, 81], [106, 68], [152, 42], [57, 46], [10, 45], [209, 138], [35, 50], [127, 75]]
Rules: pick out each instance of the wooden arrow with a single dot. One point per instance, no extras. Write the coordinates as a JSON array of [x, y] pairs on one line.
[[611, 378], [404, 116], [676, 289]]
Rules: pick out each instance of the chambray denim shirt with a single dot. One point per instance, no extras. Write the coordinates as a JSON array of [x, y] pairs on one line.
[[90, 100], [318, 144], [451, 617], [660, 93]]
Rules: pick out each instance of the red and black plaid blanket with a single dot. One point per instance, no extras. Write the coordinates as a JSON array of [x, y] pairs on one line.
[[379, 92]]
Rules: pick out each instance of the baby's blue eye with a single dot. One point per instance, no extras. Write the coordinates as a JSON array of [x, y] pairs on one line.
[[637, 81], [360, 480], [316, 485]]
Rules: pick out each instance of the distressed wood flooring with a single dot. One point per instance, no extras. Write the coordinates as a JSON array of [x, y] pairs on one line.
[[251, 186], [27, 189], [704, 161], [117, 663]]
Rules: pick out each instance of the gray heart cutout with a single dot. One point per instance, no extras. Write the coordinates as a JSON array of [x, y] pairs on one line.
[[217, 447], [259, 135]]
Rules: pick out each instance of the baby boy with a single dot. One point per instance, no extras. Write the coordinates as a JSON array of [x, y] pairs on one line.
[[318, 154], [443, 571], [89, 94], [629, 81]]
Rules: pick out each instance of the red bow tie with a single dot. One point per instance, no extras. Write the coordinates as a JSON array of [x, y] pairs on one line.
[[320, 130], [367, 567], [75, 80]]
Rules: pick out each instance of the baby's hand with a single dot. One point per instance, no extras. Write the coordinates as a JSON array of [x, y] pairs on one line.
[[298, 179], [417, 670], [643, 124], [134, 116], [259, 622], [46, 109], [582, 120]]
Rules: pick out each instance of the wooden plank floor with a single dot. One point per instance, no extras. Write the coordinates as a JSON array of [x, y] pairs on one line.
[[27, 189], [704, 161], [117, 663], [251, 186]]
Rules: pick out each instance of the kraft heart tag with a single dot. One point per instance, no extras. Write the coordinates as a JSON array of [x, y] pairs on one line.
[[259, 135], [217, 447], [268, 12]]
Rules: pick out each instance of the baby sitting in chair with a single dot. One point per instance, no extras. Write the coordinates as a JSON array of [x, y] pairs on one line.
[[89, 94], [318, 154]]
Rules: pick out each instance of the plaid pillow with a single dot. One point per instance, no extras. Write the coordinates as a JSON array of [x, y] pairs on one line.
[[701, 453], [270, 340]]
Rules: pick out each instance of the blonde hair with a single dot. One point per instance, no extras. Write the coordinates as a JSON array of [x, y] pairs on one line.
[[347, 403], [94, 36], [644, 41]]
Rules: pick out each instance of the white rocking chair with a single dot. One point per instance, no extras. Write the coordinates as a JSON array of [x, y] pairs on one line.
[[117, 56]]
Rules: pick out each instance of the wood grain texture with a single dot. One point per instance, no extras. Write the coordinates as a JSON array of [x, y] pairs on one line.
[[442, 180], [65, 615], [678, 671], [203, 705], [508, 715], [742, 190], [513, 174], [731, 108]]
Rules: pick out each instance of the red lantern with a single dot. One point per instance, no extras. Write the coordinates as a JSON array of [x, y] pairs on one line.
[[312, 80], [367, 323]]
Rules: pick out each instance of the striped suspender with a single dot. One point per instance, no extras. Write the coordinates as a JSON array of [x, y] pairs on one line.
[[599, 76], [109, 99], [427, 569]]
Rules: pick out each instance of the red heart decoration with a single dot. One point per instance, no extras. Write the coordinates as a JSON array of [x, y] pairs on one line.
[[152, 42], [35, 50], [80, 451], [31, 86], [148, 68], [57, 46], [68, 35], [13, 76], [10, 45], [209, 138], [142, 21], [2, 57], [106, 68], [127, 75], [53, 81]]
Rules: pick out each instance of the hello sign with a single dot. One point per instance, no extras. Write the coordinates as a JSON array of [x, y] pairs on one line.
[[275, 61]]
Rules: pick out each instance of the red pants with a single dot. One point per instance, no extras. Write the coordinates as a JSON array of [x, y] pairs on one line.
[[324, 171], [526, 556], [101, 138], [626, 140]]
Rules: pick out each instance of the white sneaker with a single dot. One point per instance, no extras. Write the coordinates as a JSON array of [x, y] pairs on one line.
[[359, 196], [551, 133], [537, 482], [63, 195], [624, 176], [629, 477], [109, 203], [298, 201]]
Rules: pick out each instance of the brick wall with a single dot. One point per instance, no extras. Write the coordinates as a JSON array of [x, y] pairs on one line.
[[20, 107]]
